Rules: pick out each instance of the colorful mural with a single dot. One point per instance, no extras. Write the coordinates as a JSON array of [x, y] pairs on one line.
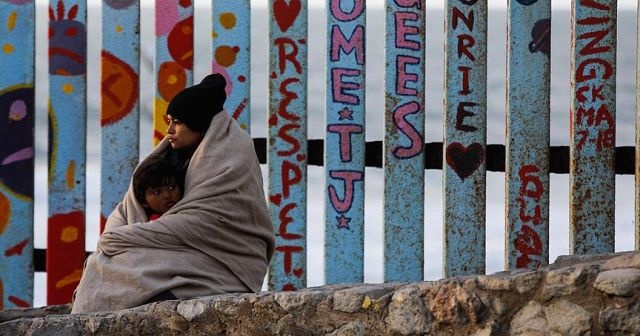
[[67, 148], [231, 55], [17, 120], [174, 57], [120, 108]]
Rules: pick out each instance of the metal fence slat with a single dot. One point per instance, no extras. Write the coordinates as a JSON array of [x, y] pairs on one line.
[[527, 139], [231, 39], [67, 147], [120, 103], [287, 142], [465, 135], [404, 141], [345, 144], [17, 99], [593, 112], [173, 64]]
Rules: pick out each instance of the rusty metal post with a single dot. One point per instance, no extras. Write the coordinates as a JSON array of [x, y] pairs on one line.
[[404, 141], [465, 137], [287, 142], [17, 123], [592, 151], [173, 59], [119, 104], [67, 147], [345, 142], [231, 38], [527, 141]]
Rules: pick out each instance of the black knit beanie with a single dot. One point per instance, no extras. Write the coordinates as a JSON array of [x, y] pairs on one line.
[[195, 106]]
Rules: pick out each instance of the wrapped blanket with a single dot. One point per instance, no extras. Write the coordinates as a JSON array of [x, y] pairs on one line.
[[217, 239]]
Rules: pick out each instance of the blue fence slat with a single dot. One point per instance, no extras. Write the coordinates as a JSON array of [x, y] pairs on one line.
[[67, 147], [120, 107], [287, 142], [173, 58], [345, 142], [404, 141], [231, 55], [465, 137], [637, 163], [17, 118], [592, 150], [527, 140]]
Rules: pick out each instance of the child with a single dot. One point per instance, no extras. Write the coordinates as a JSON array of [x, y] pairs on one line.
[[157, 186]]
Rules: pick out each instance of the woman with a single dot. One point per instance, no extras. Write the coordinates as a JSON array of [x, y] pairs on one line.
[[217, 239]]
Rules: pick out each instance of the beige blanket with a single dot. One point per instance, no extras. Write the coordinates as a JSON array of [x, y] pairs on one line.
[[218, 239]]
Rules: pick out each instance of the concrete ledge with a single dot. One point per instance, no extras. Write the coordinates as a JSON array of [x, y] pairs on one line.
[[577, 296]]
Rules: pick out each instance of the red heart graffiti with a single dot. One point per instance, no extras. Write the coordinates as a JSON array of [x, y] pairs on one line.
[[464, 160], [286, 14], [298, 272], [275, 199]]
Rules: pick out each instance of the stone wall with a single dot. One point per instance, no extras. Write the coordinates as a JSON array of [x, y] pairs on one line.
[[588, 295]]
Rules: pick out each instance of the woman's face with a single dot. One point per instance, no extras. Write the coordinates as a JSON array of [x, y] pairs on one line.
[[181, 136]]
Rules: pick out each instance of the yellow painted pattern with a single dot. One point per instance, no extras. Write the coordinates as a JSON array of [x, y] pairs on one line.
[[67, 88], [71, 173], [11, 22], [70, 279], [8, 48], [69, 234], [228, 20]]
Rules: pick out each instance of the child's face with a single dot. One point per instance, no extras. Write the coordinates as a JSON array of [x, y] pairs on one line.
[[160, 199]]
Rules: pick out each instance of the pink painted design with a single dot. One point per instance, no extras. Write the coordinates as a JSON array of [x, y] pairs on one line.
[[217, 68], [349, 178], [23, 154], [340, 87], [345, 138], [17, 110], [343, 222], [166, 16], [346, 114], [356, 11], [407, 128]]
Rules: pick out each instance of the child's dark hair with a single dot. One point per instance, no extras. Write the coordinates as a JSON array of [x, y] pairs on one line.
[[155, 171]]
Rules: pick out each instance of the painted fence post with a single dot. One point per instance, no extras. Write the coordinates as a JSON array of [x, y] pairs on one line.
[[637, 170], [173, 59], [527, 140], [345, 142], [287, 142], [465, 137], [231, 55], [404, 141], [592, 150], [67, 147], [17, 64], [120, 106]]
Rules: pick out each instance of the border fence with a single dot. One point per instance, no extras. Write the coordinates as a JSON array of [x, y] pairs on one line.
[[592, 159]]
